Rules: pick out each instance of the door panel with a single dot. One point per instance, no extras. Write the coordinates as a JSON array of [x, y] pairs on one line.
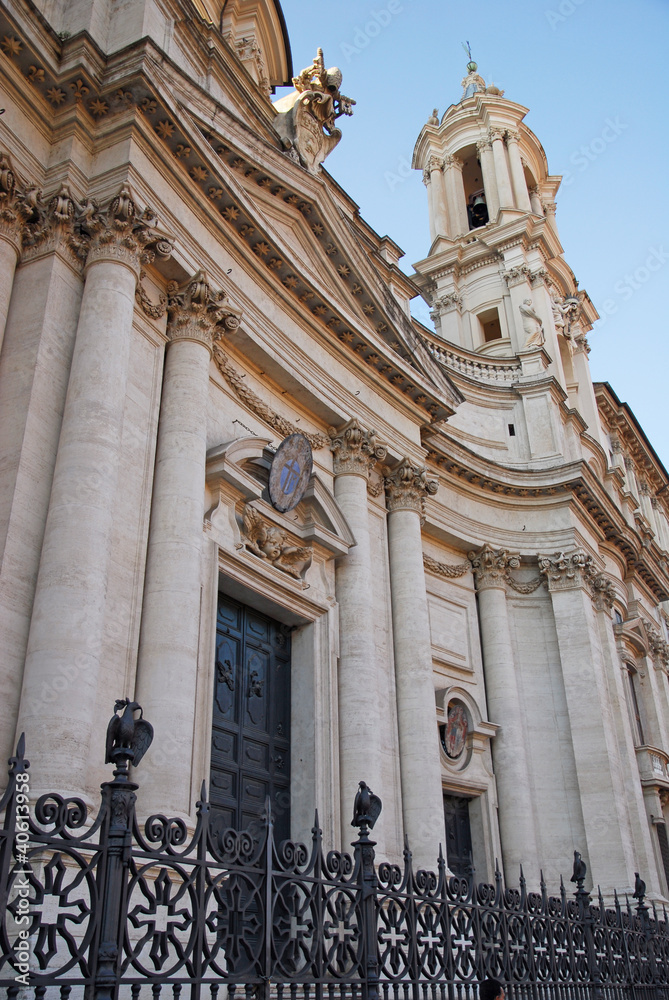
[[250, 743], [458, 834]]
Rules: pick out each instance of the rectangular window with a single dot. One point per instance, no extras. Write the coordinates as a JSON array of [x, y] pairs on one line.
[[636, 715], [490, 325]]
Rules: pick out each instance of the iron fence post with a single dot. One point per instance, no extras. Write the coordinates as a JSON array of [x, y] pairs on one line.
[[128, 739], [366, 810], [119, 803]]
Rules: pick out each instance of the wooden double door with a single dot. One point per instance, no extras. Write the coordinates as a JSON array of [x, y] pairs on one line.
[[250, 742]]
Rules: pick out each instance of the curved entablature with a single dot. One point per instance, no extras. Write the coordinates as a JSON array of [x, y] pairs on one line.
[[257, 29]]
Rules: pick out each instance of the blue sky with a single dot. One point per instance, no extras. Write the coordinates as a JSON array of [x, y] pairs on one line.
[[593, 75]]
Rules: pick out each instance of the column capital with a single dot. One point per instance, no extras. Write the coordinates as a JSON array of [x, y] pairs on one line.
[[491, 566], [355, 450], [453, 161], [568, 572], [512, 135], [407, 486], [496, 133], [435, 163], [659, 648], [11, 223], [483, 144], [121, 233], [196, 311], [49, 226]]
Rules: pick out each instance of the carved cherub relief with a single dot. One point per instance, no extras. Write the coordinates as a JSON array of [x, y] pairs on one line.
[[270, 542]]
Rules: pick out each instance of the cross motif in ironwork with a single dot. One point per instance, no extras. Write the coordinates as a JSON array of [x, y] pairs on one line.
[[394, 936], [48, 909], [429, 939], [296, 927], [463, 942], [341, 931]]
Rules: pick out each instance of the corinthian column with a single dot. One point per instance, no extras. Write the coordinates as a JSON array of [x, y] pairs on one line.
[[63, 660], [585, 673], [517, 172], [168, 645], [10, 238], [455, 196], [501, 169], [441, 219], [516, 820], [361, 742], [420, 767], [484, 149]]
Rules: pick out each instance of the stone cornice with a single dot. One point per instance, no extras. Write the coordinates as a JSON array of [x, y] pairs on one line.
[[407, 486], [257, 405], [574, 481], [355, 450]]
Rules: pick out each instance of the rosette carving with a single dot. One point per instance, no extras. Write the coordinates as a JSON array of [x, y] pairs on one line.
[[355, 450], [407, 486]]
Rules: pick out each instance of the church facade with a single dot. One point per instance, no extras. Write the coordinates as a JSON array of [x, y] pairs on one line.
[[315, 540]]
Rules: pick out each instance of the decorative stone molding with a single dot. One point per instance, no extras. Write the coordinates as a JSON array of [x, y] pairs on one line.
[[435, 163], [197, 312], [581, 344], [153, 311], [259, 406], [121, 234], [355, 450], [407, 486], [567, 572], [426, 176], [272, 543], [444, 569], [524, 588]]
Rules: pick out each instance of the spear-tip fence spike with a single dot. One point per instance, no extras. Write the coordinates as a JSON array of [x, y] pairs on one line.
[[21, 745], [203, 792]]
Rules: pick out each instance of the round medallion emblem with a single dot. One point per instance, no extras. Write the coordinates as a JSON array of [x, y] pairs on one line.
[[290, 472], [455, 731]]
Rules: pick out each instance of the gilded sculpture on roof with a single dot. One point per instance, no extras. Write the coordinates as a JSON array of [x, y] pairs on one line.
[[306, 117]]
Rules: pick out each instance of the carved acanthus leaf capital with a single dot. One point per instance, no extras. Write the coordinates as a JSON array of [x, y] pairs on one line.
[[512, 135], [491, 566], [567, 572], [659, 647], [407, 486], [435, 163], [355, 451], [198, 312], [603, 592], [121, 233], [483, 144], [453, 161], [517, 275]]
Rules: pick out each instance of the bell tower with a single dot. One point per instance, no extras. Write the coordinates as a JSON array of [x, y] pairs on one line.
[[495, 275]]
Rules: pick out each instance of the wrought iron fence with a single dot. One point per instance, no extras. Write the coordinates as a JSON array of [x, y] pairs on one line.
[[106, 908]]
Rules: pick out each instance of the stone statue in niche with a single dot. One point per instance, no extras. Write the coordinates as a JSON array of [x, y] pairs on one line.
[[306, 117], [272, 543], [532, 325]]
